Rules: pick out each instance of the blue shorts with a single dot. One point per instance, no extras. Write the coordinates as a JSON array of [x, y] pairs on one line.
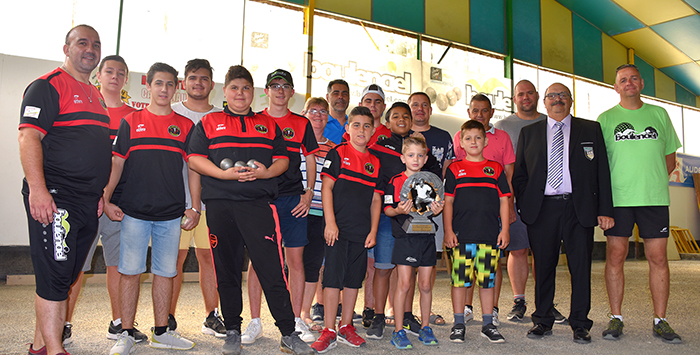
[[109, 231], [518, 235], [294, 230], [165, 243], [385, 245]]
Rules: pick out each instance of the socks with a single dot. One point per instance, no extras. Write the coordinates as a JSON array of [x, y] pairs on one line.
[[459, 318], [159, 330], [519, 297], [657, 320], [487, 319], [618, 317]]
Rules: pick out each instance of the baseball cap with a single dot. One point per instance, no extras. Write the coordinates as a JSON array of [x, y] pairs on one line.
[[372, 89], [280, 74]]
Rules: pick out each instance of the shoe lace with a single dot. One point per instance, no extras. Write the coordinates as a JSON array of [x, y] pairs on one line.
[[427, 332], [664, 327]]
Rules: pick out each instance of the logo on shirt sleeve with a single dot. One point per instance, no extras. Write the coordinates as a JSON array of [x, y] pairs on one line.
[[31, 112], [389, 199], [327, 164]]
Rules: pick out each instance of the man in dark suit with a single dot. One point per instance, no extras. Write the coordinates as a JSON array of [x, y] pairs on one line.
[[562, 185]]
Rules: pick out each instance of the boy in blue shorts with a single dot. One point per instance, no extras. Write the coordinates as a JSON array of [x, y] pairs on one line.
[[410, 250], [351, 201], [476, 194]]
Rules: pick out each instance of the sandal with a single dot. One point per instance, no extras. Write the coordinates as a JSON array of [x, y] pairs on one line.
[[314, 327], [436, 319], [389, 320]]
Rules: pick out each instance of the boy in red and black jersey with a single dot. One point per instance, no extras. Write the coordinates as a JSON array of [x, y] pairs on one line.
[[410, 250], [240, 212], [400, 121], [292, 204], [351, 208], [147, 162], [476, 196]]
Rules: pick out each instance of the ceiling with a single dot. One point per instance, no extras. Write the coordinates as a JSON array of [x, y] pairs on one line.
[[664, 33]]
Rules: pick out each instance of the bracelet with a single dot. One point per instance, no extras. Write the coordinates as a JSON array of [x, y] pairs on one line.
[[307, 189], [194, 209]]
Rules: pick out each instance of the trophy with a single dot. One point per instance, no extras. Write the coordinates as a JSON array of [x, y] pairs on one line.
[[422, 188]]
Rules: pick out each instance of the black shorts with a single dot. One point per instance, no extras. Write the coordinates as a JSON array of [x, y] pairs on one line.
[[313, 251], [652, 221], [414, 250], [346, 264], [59, 250]]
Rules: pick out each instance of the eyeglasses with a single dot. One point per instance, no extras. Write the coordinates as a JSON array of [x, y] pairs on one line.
[[278, 86], [314, 111], [561, 95]]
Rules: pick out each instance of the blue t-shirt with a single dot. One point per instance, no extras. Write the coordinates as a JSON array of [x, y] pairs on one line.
[[334, 130]]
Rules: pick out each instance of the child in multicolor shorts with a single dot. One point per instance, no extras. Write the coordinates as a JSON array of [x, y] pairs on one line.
[[476, 195]]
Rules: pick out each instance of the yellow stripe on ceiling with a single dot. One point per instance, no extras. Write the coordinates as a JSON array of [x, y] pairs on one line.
[[557, 37], [448, 19], [697, 101], [652, 12], [358, 8], [665, 86], [614, 55], [652, 48]]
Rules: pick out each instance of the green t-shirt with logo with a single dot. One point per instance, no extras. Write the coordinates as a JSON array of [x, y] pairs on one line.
[[637, 142]]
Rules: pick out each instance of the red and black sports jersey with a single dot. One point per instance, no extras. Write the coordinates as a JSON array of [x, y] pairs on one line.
[[115, 118], [221, 135], [154, 147], [477, 188], [356, 177], [389, 152], [392, 197], [299, 137], [76, 145], [380, 133]]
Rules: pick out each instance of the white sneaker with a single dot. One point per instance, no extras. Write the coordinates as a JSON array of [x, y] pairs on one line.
[[304, 332], [170, 340], [252, 332], [496, 321], [124, 345], [468, 313]]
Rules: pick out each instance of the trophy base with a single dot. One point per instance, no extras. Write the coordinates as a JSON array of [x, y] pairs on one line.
[[413, 226]]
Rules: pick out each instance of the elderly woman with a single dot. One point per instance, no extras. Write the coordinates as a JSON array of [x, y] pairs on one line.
[[316, 110]]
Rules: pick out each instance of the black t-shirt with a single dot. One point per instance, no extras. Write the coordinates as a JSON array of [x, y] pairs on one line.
[[300, 138], [392, 197], [221, 135], [76, 146], [154, 148], [356, 177], [477, 188]]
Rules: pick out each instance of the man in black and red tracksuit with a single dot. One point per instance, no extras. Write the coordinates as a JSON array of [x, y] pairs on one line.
[[240, 212], [399, 120], [65, 153]]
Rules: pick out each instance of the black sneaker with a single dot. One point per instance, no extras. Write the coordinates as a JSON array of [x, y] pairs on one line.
[[214, 325], [490, 332], [294, 345], [666, 333], [457, 333], [518, 311], [411, 325], [114, 331], [376, 330], [317, 312], [367, 316], [172, 323], [614, 330], [67, 332], [558, 317]]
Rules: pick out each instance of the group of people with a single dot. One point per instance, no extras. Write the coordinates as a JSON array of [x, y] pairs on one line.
[[315, 200]]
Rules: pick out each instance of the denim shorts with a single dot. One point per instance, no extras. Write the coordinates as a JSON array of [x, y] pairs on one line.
[[385, 245], [165, 241], [293, 229]]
